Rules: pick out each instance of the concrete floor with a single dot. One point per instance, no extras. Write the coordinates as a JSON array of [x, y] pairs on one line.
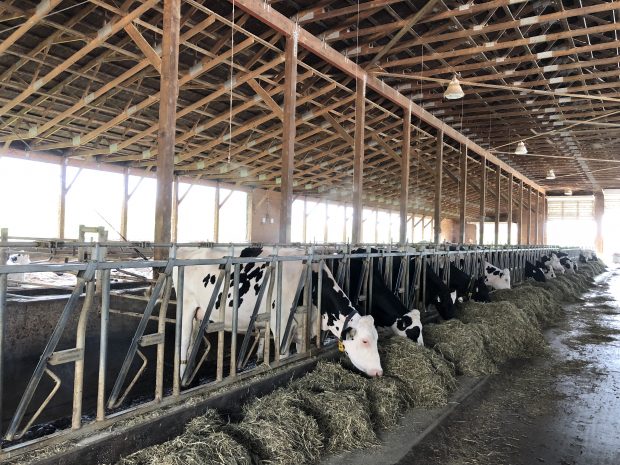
[[563, 408]]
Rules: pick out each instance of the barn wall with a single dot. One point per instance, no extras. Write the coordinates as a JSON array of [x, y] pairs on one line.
[[266, 233], [471, 236], [449, 230]]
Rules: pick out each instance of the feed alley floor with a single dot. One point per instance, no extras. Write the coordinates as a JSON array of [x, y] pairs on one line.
[[562, 408]]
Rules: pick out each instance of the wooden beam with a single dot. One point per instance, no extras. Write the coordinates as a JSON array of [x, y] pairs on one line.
[[288, 139], [537, 220], [599, 211], [498, 181], [463, 195], [169, 90], [62, 204], [216, 219], [271, 103], [404, 175], [529, 215], [42, 9], [282, 24], [509, 209], [175, 210], [125, 205], [438, 185], [358, 159], [521, 236], [483, 198], [144, 46]]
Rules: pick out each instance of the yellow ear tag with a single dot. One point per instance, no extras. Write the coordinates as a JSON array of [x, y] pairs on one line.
[[340, 346]]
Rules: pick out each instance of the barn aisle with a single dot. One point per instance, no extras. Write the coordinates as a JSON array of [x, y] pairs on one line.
[[560, 409]]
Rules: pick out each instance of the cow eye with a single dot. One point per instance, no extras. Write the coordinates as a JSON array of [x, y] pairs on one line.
[[364, 341]]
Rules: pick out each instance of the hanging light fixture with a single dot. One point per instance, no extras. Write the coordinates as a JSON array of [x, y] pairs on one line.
[[521, 148], [568, 192], [454, 90], [550, 174], [267, 218]]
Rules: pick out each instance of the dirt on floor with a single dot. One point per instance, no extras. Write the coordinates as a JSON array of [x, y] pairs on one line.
[[562, 408]]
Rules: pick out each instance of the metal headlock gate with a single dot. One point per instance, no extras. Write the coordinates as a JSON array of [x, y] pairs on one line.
[[93, 290]]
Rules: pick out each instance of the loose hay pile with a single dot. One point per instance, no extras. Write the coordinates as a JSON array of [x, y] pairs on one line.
[[592, 268], [427, 377], [508, 331], [278, 431], [536, 300], [561, 289], [204, 442], [461, 344]]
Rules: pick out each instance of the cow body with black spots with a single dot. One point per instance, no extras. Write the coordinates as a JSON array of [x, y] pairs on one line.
[[553, 261], [496, 277], [534, 272], [467, 287], [386, 309], [358, 334]]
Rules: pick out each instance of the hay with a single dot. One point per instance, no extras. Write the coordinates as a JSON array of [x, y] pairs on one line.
[[461, 344], [561, 289], [343, 418], [532, 299], [277, 431], [204, 442], [592, 268], [426, 376], [508, 331], [387, 400]]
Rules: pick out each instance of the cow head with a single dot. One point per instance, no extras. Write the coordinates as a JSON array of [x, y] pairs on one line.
[[535, 272], [360, 345], [18, 259], [497, 278], [410, 326], [480, 291]]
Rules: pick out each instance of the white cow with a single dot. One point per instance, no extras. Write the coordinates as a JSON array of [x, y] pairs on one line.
[[20, 258], [496, 277], [357, 333]]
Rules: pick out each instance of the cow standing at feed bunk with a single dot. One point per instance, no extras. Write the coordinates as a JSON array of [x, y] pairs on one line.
[[496, 277], [18, 259], [338, 316]]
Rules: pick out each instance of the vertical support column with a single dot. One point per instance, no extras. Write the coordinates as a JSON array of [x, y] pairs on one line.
[[216, 219], [545, 216], [404, 175], [529, 215], [521, 234], [509, 210], [358, 159], [62, 206], [305, 228], [438, 185], [169, 88], [498, 181], [599, 211], [288, 138], [483, 197], [175, 210], [125, 205], [463, 195], [537, 220]]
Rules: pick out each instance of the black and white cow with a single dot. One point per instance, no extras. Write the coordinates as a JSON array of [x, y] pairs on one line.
[[20, 258], [496, 277], [466, 287], [587, 256], [437, 293], [547, 270], [357, 332], [386, 309], [553, 261], [534, 272]]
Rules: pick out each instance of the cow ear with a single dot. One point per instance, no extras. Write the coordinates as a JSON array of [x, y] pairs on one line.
[[506, 270]]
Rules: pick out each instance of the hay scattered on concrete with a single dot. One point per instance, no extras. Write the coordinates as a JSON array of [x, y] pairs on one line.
[[278, 432], [427, 377], [204, 442], [461, 344], [508, 331], [532, 299]]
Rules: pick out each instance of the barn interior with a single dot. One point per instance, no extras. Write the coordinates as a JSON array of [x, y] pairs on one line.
[[418, 128]]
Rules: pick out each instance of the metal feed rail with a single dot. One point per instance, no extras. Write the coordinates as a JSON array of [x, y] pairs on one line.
[[92, 289]]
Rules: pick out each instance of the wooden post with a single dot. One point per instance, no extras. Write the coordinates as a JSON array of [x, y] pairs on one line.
[[483, 197], [537, 220], [169, 88], [463, 195], [62, 205], [438, 185], [521, 234], [509, 210], [545, 216], [288, 138], [216, 219], [305, 228], [125, 205], [599, 210], [529, 215], [498, 181], [404, 175], [358, 159]]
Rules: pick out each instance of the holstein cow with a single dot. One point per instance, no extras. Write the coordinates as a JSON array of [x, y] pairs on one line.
[[356, 332], [553, 261], [437, 294], [18, 259], [386, 309], [535, 272], [466, 287], [587, 256], [566, 262], [496, 277], [547, 270]]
